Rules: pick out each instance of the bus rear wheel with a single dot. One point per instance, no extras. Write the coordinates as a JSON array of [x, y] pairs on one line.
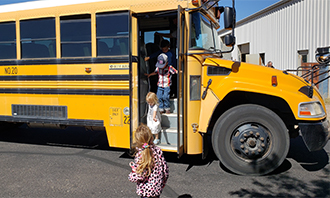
[[250, 140]]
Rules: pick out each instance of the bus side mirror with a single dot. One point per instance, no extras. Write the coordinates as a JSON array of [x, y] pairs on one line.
[[229, 18], [229, 40], [323, 55]]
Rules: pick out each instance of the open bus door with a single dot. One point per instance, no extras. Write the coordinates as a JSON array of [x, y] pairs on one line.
[[181, 25], [134, 73]]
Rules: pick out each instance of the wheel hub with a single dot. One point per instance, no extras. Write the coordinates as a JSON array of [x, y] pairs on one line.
[[250, 141]]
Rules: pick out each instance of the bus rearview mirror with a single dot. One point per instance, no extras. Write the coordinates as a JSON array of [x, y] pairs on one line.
[[229, 18], [229, 40]]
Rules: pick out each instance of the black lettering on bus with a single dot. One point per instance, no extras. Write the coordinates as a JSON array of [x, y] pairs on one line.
[[7, 70], [127, 120], [11, 70], [14, 70]]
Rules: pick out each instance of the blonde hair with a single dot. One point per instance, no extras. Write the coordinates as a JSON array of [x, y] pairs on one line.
[[152, 98], [143, 135]]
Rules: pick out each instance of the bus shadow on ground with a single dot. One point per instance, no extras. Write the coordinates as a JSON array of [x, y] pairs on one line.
[[71, 136], [79, 137], [310, 161], [287, 185]]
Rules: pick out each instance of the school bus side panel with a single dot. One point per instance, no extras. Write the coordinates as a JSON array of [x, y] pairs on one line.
[[253, 79]]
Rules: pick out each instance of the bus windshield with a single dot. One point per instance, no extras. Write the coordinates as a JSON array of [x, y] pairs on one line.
[[203, 34]]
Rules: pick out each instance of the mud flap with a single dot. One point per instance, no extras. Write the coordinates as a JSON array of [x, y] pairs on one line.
[[206, 145]]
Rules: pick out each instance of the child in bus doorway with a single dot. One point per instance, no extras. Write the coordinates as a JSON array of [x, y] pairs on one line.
[[165, 48], [165, 73], [153, 117], [149, 168]]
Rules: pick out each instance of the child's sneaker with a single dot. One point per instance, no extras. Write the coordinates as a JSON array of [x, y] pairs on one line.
[[168, 112], [156, 141]]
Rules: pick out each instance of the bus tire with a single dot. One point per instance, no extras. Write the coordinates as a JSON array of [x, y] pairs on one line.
[[250, 140]]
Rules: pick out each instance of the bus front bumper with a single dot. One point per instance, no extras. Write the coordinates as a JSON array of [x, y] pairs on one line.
[[315, 135]]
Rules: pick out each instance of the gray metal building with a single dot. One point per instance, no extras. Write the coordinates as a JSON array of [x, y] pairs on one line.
[[286, 33]]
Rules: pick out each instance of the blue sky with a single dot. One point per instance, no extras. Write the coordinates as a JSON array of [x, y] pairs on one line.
[[244, 8]]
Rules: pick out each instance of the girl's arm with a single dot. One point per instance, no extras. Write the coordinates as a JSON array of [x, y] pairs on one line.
[[163, 163], [154, 116], [133, 176]]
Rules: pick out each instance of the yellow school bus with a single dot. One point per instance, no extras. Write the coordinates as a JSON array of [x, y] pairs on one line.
[[81, 63]]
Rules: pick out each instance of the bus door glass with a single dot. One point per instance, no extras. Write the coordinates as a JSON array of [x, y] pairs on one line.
[[134, 74], [180, 85]]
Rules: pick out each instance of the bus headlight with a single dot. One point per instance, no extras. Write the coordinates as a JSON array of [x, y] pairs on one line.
[[311, 110]]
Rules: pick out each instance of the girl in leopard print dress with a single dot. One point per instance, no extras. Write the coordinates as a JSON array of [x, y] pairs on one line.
[[149, 168]]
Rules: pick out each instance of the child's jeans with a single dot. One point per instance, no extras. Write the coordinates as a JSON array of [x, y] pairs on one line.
[[163, 94]]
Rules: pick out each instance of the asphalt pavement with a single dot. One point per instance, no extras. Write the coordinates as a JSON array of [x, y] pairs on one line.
[[76, 162]]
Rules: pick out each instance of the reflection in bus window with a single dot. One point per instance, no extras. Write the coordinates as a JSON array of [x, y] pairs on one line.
[[203, 34], [76, 36], [195, 87], [38, 38], [112, 34], [7, 40]]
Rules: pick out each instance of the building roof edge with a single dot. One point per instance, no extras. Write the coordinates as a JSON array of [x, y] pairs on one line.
[[253, 16]]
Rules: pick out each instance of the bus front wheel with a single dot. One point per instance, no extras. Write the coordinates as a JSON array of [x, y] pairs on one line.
[[250, 140]]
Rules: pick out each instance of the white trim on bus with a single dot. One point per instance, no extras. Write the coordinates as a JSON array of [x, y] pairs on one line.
[[41, 4]]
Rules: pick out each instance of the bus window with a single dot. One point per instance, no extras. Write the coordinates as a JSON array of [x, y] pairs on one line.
[[112, 34], [7, 40], [203, 34], [149, 37], [38, 38], [195, 87], [76, 36]]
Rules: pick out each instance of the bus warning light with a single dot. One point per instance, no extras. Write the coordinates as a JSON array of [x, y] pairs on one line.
[[274, 81]]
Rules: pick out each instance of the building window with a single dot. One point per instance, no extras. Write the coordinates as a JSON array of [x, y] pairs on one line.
[[302, 56], [243, 51], [112, 34], [262, 59], [76, 36], [38, 38], [7, 40]]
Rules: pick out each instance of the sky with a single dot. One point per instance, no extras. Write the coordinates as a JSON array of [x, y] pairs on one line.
[[244, 8]]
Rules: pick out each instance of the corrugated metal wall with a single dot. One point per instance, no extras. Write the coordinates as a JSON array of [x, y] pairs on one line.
[[283, 29]]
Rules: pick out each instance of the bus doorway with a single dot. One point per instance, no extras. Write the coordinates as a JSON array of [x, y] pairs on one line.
[[153, 29]]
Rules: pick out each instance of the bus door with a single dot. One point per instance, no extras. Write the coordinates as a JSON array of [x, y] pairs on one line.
[[134, 74], [181, 49]]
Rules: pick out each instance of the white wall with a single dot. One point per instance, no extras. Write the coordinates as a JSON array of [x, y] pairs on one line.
[[283, 29]]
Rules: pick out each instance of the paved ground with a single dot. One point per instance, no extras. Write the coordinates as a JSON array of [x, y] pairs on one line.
[[69, 164]]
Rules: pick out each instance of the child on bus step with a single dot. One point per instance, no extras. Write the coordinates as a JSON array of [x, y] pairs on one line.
[[164, 72], [153, 117], [149, 168]]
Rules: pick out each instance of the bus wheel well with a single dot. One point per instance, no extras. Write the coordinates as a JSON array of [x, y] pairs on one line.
[[276, 104]]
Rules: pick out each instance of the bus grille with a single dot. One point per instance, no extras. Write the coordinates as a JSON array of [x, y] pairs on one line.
[[39, 111]]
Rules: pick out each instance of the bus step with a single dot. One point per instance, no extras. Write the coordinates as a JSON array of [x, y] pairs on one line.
[[169, 120], [166, 147], [168, 136]]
